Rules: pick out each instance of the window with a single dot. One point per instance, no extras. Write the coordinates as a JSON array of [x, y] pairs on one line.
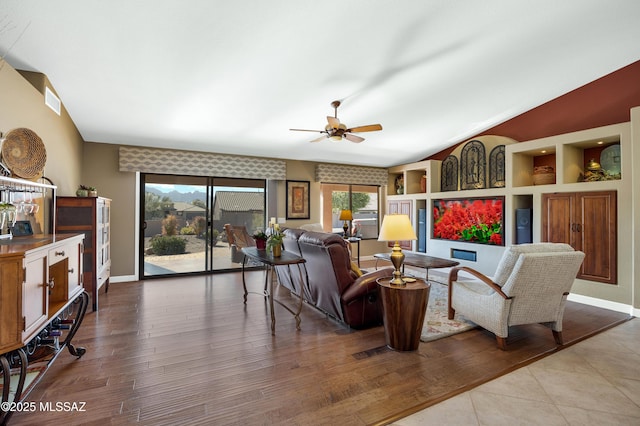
[[362, 200]]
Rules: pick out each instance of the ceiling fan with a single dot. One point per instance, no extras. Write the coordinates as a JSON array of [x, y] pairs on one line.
[[335, 130]]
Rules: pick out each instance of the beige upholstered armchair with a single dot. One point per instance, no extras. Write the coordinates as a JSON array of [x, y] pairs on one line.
[[531, 285]]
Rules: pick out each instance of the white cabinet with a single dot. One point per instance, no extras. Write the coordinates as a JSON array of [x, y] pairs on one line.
[[35, 301]]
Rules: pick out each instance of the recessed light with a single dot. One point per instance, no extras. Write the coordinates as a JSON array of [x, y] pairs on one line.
[[600, 142], [544, 151]]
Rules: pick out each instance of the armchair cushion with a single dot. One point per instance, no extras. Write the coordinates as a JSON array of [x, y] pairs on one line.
[[511, 255]]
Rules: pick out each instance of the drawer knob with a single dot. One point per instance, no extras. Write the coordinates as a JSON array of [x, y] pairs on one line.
[[59, 253], [71, 271]]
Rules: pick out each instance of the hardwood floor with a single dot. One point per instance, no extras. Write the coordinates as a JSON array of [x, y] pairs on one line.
[[188, 351]]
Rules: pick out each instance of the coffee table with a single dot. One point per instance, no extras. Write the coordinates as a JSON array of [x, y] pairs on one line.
[[419, 261]]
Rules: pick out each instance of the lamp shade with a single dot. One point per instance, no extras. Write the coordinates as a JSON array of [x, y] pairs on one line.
[[396, 227], [346, 215]]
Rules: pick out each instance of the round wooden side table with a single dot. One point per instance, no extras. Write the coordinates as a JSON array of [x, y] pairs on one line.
[[404, 311]]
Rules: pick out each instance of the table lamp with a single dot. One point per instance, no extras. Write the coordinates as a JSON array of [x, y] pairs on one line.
[[346, 216], [396, 227]]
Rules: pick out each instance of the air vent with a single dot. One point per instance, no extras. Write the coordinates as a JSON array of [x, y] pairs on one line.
[[51, 100]]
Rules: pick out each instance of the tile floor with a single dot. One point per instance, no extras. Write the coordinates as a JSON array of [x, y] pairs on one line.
[[594, 382]]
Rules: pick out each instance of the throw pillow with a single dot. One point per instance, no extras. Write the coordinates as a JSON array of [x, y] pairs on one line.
[[355, 269]]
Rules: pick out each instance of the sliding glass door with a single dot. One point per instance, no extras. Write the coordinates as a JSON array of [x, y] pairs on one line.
[[183, 217]]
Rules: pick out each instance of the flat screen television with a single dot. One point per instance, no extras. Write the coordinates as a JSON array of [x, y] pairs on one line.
[[472, 220]]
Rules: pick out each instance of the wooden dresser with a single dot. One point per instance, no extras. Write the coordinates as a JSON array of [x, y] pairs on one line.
[[42, 304]]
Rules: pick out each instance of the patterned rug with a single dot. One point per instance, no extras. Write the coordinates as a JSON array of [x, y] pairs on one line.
[[33, 373], [436, 325]]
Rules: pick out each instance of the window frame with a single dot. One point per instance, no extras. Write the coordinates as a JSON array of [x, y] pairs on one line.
[[327, 189]]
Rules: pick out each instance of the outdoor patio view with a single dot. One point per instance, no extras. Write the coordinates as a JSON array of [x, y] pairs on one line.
[[184, 221]]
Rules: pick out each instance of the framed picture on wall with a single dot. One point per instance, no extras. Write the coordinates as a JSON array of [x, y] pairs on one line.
[[297, 199]]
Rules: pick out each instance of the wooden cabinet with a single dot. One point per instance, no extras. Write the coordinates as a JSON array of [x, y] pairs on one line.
[[588, 222], [42, 305], [36, 277], [401, 207], [91, 217]]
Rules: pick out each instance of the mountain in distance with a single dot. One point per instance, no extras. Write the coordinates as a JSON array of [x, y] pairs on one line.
[[183, 197]]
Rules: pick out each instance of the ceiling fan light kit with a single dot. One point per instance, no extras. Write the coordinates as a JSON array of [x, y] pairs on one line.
[[335, 130]]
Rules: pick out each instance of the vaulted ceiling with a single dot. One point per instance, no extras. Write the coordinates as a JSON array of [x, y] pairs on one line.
[[235, 76]]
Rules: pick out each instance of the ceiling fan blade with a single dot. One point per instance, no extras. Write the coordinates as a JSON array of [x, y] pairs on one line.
[[353, 138], [333, 122], [368, 128], [305, 130], [321, 138]]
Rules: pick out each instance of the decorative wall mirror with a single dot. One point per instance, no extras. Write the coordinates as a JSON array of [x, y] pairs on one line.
[[449, 174], [496, 167], [473, 165]]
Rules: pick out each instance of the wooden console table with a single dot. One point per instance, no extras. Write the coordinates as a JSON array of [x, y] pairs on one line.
[[404, 311], [286, 259]]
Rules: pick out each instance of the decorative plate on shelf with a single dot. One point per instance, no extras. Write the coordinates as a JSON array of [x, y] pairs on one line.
[[24, 153], [610, 159]]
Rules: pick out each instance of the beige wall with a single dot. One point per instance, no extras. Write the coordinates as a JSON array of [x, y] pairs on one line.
[[101, 171], [634, 204], [22, 105]]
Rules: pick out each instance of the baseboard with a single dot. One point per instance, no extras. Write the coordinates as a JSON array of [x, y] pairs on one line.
[[606, 304], [123, 279]]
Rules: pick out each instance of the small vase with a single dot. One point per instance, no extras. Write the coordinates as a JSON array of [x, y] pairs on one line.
[[277, 251], [82, 193], [261, 244], [92, 193]]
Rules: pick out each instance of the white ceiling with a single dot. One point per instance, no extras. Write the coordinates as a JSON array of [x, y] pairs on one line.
[[234, 76]]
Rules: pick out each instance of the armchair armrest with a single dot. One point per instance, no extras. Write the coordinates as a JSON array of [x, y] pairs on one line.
[[453, 276], [365, 284]]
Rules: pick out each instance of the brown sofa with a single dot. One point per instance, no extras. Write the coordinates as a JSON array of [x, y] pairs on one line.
[[333, 286]]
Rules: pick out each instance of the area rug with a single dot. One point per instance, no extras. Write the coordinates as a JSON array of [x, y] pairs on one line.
[[436, 324], [33, 373]]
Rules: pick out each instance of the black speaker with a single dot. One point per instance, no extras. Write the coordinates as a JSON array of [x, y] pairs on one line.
[[524, 232]]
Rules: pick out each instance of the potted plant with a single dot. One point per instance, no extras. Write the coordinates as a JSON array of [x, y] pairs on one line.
[[83, 191], [261, 239], [93, 192], [274, 243]]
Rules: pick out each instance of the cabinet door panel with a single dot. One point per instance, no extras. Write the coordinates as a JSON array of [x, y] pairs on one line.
[[400, 207], [10, 279], [34, 295], [597, 215], [557, 218]]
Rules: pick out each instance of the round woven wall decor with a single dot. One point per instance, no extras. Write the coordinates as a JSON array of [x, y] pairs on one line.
[[24, 153]]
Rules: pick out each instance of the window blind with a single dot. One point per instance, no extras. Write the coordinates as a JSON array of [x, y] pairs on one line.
[[169, 161]]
